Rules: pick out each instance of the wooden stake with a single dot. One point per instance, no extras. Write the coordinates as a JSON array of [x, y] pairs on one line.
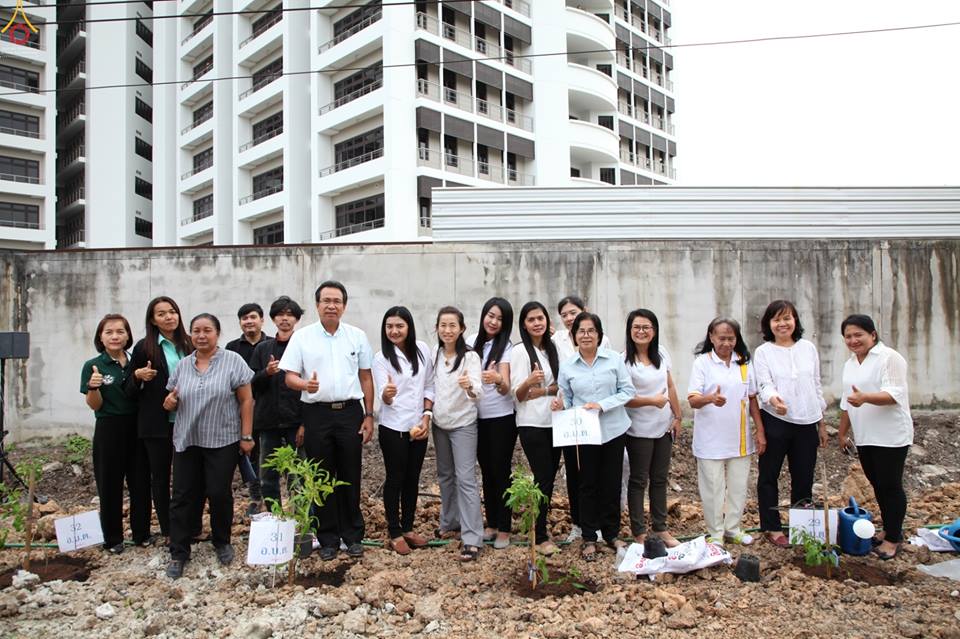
[[826, 515], [31, 485]]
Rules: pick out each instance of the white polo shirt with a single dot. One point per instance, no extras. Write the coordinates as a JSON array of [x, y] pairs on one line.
[[650, 421], [793, 374], [406, 411], [722, 432], [532, 412], [882, 370], [337, 360]]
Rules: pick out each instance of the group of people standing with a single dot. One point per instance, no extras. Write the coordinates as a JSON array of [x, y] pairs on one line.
[[181, 400]]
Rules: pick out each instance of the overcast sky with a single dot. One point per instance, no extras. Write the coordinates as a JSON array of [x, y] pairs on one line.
[[875, 110]]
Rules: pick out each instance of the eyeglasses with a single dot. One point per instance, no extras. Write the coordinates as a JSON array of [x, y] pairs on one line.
[[587, 331], [643, 329]]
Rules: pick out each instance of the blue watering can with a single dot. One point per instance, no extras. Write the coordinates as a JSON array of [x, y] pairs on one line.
[[850, 544], [952, 534]]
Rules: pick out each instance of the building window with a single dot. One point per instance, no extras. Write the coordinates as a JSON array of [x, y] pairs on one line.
[[25, 216], [267, 183], [574, 172], [268, 127], [268, 20], [143, 109], [203, 207], [143, 228], [450, 151], [608, 175], [360, 215], [144, 32], [20, 79], [142, 70], [19, 124], [360, 148], [606, 121], [345, 27], [203, 114], [269, 234], [203, 160], [203, 66], [268, 74], [143, 149], [19, 170], [358, 81], [425, 212], [606, 69], [143, 188]]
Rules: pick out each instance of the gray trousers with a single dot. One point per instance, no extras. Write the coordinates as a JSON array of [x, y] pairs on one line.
[[457, 475], [649, 461]]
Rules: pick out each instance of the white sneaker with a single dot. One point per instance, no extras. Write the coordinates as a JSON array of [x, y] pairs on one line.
[[741, 538], [315, 544], [574, 534]]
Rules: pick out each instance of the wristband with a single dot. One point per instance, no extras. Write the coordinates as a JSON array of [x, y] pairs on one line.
[[428, 413], [368, 414], [246, 438]]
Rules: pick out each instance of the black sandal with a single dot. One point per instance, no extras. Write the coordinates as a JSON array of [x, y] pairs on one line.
[[591, 554], [469, 553], [886, 556]]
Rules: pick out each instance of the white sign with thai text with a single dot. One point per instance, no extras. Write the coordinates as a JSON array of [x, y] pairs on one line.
[[78, 531], [271, 541], [576, 427]]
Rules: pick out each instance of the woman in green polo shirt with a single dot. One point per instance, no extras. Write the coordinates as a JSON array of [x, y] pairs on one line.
[[118, 454]]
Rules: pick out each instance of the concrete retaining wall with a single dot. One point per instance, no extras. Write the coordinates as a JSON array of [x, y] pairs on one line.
[[911, 287]]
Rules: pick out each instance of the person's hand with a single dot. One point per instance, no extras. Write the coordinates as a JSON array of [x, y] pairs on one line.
[[592, 406], [822, 432], [313, 384], [246, 447], [171, 400], [96, 380], [389, 391], [857, 398], [464, 382], [421, 430], [298, 438], [536, 376], [676, 426], [557, 402], [779, 405], [761, 442], [846, 444], [717, 398], [366, 429], [146, 373], [491, 376], [660, 400], [273, 366]]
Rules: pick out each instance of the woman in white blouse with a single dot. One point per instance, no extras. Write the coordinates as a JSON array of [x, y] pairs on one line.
[[403, 372], [792, 405], [654, 424], [722, 392], [456, 391], [532, 386], [876, 404]]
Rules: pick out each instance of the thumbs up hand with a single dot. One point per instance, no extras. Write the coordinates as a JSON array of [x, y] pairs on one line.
[[857, 398], [717, 398], [273, 366], [171, 400], [146, 373], [491, 375], [96, 380], [536, 375], [389, 391], [313, 384], [778, 405], [557, 402], [464, 381]]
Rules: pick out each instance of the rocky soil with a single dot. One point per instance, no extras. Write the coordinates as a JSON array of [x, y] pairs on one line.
[[430, 593]]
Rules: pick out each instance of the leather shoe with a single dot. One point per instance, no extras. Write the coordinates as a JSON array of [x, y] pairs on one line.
[[175, 568], [328, 553], [224, 554], [415, 540], [355, 550], [399, 546]]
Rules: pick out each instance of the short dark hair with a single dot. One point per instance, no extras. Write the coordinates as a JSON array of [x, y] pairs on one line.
[[571, 299], [860, 321], [248, 308], [284, 304], [207, 316], [587, 315], [112, 317], [774, 308], [331, 284]]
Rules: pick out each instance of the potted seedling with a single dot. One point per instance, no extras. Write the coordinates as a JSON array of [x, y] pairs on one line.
[[310, 485]]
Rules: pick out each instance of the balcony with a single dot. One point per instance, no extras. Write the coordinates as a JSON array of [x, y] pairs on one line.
[[20, 179], [197, 28], [587, 32], [36, 135], [520, 6], [627, 109], [667, 171], [70, 121], [198, 73], [329, 44], [350, 97], [590, 89], [260, 82], [71, 41], [196, 216], [592, 143], [190, 127], [73, 79], [73, 158], [346, 164], [262, 27], [259, 195], [70, 199], [263, 137], [466, 102], [634, 159], [203, 166], [351, 229], [464, 38]]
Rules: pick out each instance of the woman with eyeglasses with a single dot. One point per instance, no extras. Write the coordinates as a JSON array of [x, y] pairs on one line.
[[654, 424], [597, 379]]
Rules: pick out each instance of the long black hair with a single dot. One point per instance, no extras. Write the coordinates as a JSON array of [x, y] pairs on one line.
[[740, 348], [546, 344], [500, 340], [409, 347], [151, 339], [460, 346], [653, 349]]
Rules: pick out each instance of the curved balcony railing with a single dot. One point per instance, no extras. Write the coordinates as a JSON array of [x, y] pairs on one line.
[[346, 164]]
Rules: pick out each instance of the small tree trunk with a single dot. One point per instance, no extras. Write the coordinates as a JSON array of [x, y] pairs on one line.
[[31, 484], [292, 571], [826, 519], [533, 556]]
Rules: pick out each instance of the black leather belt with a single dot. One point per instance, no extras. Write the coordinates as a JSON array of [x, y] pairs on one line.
[[338, 405]]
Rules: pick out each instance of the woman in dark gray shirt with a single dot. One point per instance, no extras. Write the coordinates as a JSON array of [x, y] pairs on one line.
[[210, 390]]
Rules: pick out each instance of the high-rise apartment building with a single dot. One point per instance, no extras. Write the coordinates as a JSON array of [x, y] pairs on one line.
[[308, 121]]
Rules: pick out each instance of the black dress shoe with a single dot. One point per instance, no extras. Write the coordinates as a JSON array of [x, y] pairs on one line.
[[224, 554], [355, 550], [114, 550], [328, 553], [175, 568], [147, 541]]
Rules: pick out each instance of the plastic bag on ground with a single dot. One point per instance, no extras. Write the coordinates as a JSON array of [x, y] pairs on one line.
[[687, 557]]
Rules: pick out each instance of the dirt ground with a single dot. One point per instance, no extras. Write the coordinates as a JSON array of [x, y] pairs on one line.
[[429, 592]]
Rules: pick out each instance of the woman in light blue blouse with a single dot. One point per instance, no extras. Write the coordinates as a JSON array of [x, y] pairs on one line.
[[597, 379]]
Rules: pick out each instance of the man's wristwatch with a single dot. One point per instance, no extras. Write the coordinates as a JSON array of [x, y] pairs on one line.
[[246, 438], [370, 415]]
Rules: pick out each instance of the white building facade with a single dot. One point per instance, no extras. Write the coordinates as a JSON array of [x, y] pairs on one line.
[[340, 121]]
